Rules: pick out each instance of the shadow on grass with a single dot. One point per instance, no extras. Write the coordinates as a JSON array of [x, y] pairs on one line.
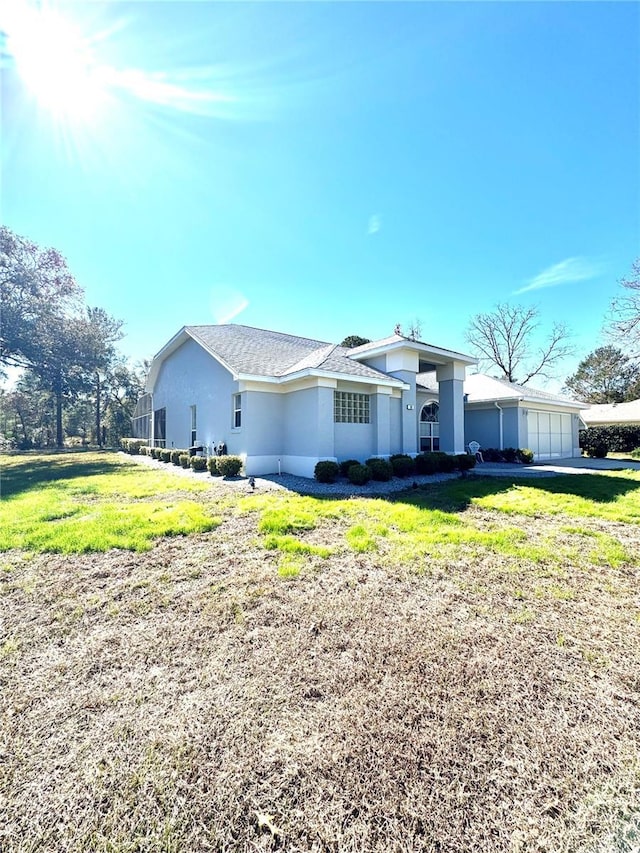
[[457, 495], [30, 473]]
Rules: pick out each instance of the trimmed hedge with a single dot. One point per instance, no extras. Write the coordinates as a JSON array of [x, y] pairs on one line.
[[509, 454], [346, 464], [616, 439], [403, 465], [165, 454], [229, 466], [176, 454], [184, 460], [359, 474], [214, 468], [381, 469], [326, 471], [198, 463], [465, 461], [133, 445]]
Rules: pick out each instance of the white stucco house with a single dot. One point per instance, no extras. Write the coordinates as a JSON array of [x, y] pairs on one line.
[[284, 402]]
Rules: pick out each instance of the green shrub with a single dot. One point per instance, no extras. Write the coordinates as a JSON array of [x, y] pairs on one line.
[[229, 466], [326, 471], [359, 474], [156, 452], [346, 464], [212, 465], [145, 450], [598, 450], [165, 455], [636, 453], [133, 445], [525, 455], [465, 461], [510, 454], [184, 459], [381, 469], [447, 463], [618, 438], [427, 463], [176, 454], [403, 465], [198, 463]]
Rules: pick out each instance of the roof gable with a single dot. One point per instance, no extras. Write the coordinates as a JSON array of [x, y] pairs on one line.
[[260, 353]]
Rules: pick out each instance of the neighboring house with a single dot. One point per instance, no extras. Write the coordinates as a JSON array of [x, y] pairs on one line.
[[284, 402], [502, 414], [613, 414]]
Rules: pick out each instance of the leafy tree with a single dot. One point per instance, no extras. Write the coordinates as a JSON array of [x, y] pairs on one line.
[[505, 338], [47, 329], [605, 376], [625, 312], [352, 341], [100, 333], [36, 291]]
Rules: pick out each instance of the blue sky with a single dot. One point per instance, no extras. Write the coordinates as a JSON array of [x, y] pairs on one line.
[[328, 168]]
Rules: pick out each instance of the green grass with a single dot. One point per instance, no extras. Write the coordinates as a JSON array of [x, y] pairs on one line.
[[612, 496], [94, 502]]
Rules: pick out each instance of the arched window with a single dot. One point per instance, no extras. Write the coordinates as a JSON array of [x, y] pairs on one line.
[[429, 428]]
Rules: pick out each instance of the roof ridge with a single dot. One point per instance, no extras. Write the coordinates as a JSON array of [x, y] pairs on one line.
[[255, 329]]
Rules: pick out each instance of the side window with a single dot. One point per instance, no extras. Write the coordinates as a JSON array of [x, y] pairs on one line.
[[193, 426], [237, 411]]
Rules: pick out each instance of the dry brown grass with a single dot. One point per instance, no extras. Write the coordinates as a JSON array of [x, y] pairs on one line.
[[189, 699]]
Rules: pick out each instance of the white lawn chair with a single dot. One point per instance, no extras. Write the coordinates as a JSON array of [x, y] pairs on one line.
[[474, 450]]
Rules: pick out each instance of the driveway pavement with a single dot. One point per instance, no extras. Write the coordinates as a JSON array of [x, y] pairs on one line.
[[583, 465]]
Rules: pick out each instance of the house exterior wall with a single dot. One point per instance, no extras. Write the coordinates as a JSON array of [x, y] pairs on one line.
[[513, 427], [483, 426], [191, 377]]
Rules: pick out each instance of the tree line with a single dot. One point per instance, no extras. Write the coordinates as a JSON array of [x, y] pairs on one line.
[[74, 384]]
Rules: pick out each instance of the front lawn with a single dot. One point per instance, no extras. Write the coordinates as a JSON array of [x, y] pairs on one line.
[[454, 669]]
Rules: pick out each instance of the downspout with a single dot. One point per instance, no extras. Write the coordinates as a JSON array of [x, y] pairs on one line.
[[499, 408]]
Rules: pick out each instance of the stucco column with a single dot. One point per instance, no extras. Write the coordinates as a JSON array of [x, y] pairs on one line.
[[380, 417], [409, 431], [450, 382], [325, 441]]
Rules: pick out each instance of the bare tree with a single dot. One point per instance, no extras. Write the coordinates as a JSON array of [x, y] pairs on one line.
[[505, 338], [625, 313]]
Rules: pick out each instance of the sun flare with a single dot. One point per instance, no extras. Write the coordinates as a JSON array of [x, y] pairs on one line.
[[54, 60]]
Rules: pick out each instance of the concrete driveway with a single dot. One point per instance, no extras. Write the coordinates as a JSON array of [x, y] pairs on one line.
[[583, 465]]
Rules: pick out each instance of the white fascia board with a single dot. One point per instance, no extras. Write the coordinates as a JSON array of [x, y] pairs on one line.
[[311, 373], [445, 355], [531, 399]]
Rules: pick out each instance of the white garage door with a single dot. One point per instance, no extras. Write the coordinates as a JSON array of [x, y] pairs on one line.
[[550, 435]]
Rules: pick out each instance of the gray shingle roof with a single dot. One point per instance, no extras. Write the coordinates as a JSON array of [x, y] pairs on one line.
[[480, 387], [260, 352]]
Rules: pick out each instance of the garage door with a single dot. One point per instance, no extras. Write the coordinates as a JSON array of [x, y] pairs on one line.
[[550, 435]]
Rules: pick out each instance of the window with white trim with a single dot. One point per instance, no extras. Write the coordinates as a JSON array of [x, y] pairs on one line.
[[351, 408], [237, 411]]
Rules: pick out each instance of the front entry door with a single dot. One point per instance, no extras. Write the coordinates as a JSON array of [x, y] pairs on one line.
[[429, 428]]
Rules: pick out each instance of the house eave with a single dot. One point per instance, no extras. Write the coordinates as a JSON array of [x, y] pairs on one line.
[[437, 354], [382, 380]]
